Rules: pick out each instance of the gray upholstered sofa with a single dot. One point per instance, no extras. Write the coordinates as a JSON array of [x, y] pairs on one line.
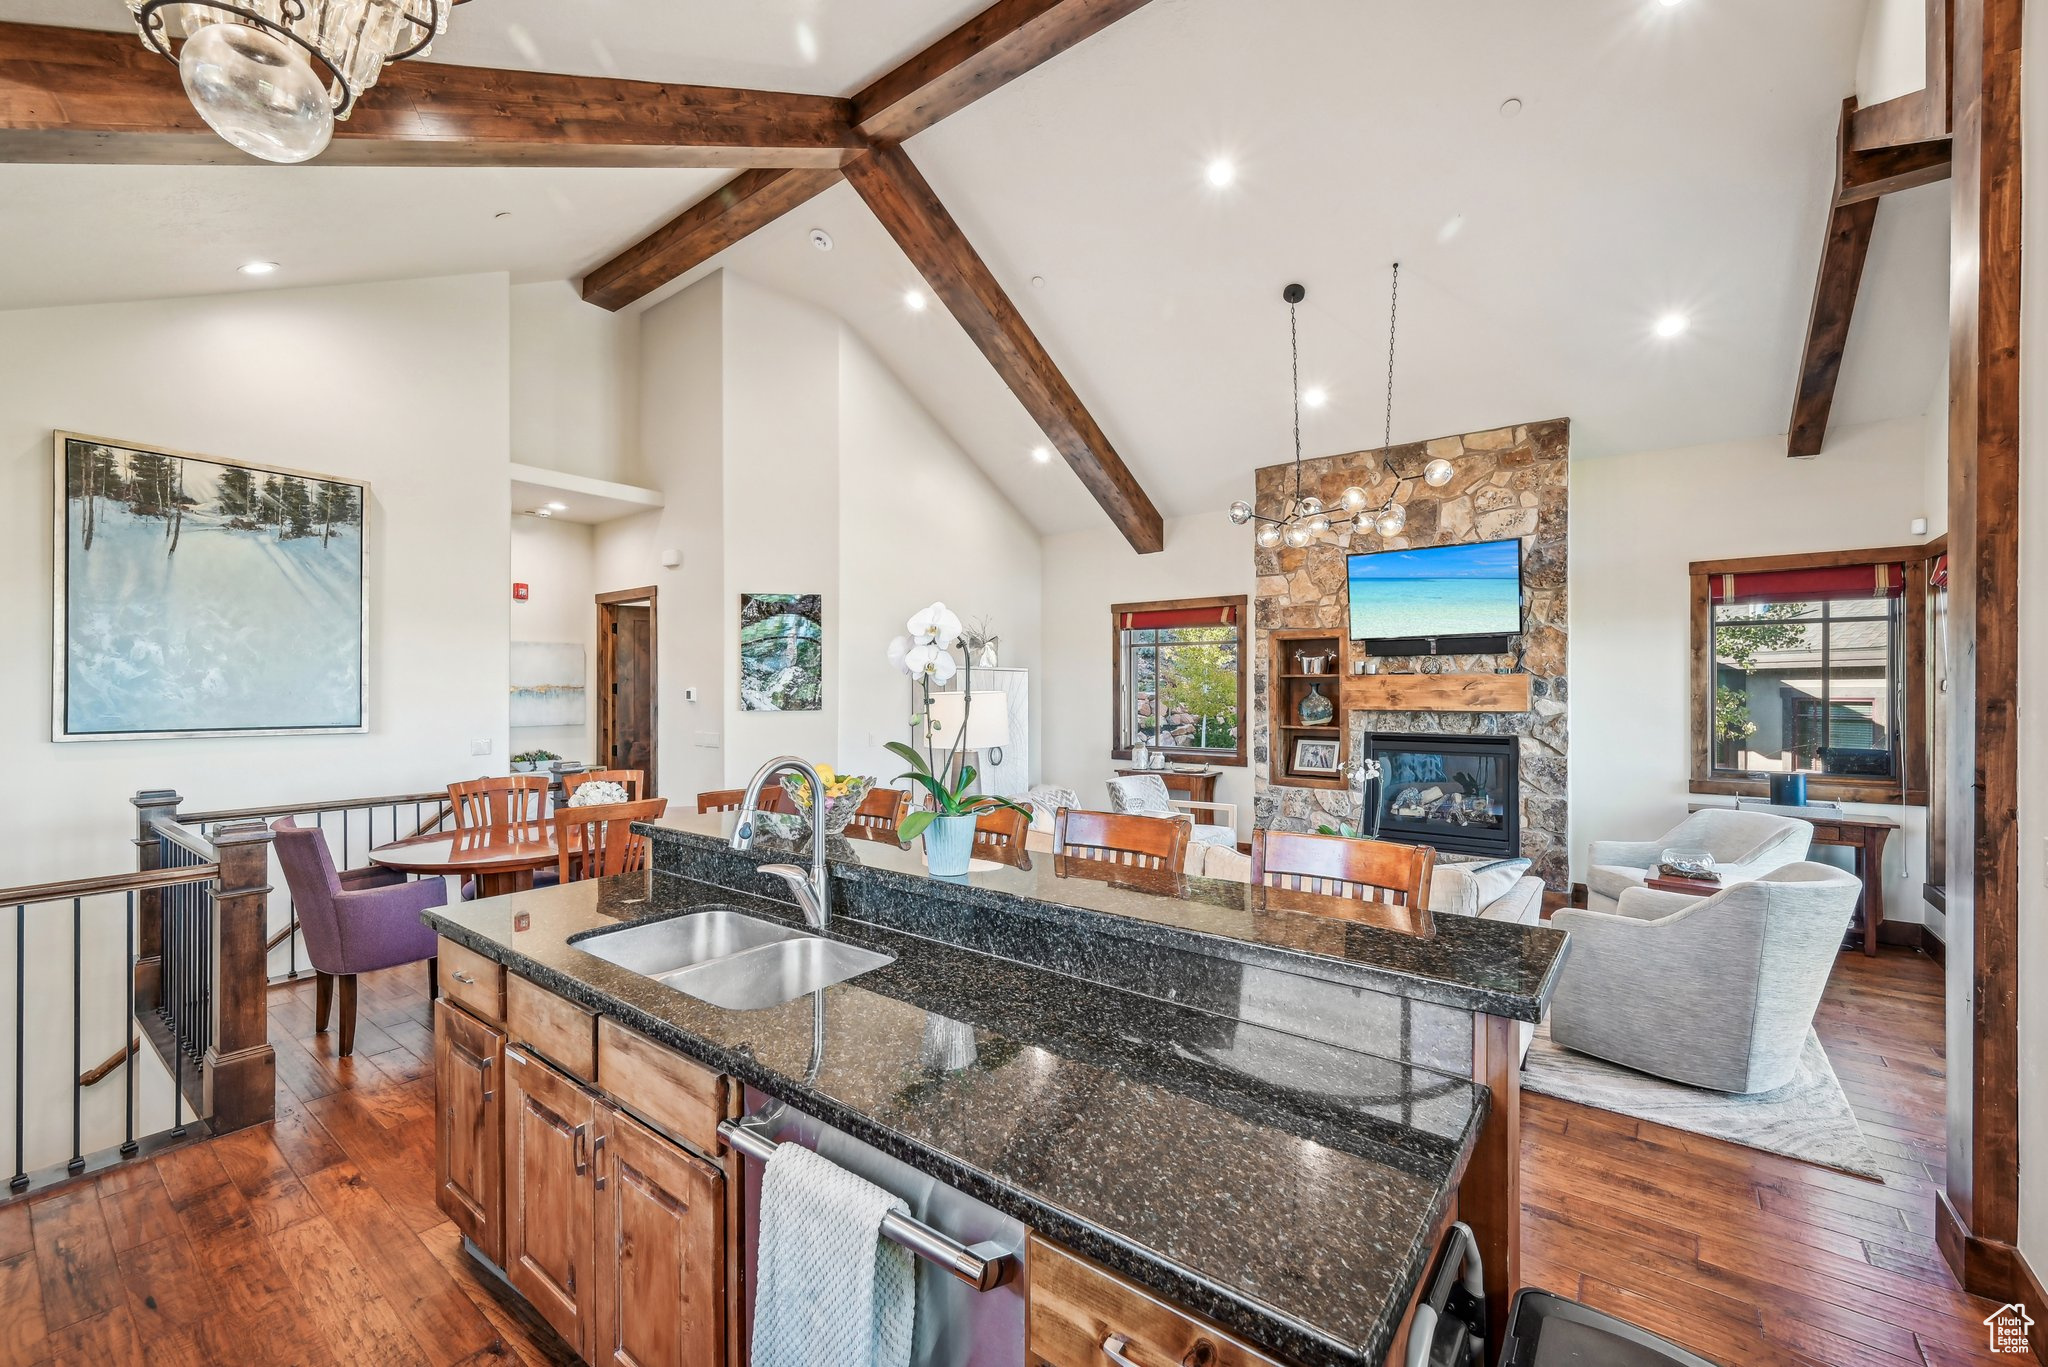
[[1744, 845], [1716, 992]]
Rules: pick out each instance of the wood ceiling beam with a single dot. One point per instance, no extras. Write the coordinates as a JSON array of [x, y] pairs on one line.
[[750, 201], [1921, 115], [899, 196], [987, 52], [1861, 179], [82, 95]]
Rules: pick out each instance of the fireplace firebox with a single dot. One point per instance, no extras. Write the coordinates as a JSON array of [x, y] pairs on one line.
[[1457, 794]]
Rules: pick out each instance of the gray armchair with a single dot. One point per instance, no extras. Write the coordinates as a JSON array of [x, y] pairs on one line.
[[1745, 845], [1715, 992]]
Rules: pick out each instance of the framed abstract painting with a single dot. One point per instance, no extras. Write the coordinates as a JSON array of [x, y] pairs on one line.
[[197, 596], [782, 652]]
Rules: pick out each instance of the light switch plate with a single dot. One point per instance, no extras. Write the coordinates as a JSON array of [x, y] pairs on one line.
[[707, 740], [480, 746]]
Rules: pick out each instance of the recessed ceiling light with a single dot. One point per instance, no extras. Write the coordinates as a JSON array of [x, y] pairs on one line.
[[542, 512], [1672, 4], [1038, 282], [821, 239], [1510, 107], [258, 267], [1315, 396], [915, 301], [502, 214], [1222, 171], [1042, 454], [1672, 325], [558, 507]]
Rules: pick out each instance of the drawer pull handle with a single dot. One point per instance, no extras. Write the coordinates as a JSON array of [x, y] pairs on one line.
[[1113, 1348], [597, 1160], [463, 978]]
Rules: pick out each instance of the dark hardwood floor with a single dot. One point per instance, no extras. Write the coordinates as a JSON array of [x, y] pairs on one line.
[[315, 1240]]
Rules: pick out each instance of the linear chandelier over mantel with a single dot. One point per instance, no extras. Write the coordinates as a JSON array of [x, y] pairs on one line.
[[249, 65], [1307, 516]]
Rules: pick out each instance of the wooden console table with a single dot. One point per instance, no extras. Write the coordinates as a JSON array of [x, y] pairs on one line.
[[1865, 835], [1194, 785]]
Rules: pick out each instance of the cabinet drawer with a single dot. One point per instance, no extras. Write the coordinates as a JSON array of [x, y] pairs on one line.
[[559, 1031], [471, 981], [661, 1086], [1077, 1306]]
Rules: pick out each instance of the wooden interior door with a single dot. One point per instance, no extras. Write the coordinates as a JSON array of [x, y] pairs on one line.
[[626, 682], [469, 1127], [548, 1195], [660, 1263]]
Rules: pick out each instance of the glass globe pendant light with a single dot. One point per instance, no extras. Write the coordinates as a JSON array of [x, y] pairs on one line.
[[1308, 516], [272, 77]]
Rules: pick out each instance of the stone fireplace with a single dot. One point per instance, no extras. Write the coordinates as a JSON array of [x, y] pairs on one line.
[[1508, 482], [1458, 796]]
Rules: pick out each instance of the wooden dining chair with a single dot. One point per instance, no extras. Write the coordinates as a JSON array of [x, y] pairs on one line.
[[999, 835], [504, 801], [1338, 866], [598, 841], [1142, 842], [883, 809], [773, 799], [632, 780]]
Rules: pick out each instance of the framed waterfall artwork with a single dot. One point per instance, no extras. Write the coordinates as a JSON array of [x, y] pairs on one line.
[[197, 596], [782, 652]]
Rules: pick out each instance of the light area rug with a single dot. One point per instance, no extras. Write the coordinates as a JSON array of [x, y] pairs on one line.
[[1809, 1118]]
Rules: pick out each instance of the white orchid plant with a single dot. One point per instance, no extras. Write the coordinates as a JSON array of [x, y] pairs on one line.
[[926, 655]]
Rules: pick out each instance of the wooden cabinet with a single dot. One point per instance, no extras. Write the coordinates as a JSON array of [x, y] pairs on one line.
[[660, 1269], [549, 1201], [471, 981], [1290, 685], [469, 1127], [1076, 1308]]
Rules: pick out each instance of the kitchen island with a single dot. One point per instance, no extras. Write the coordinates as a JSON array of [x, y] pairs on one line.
[[1175, 1089]]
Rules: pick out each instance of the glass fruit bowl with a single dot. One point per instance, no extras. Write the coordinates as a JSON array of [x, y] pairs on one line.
[[839, 806]]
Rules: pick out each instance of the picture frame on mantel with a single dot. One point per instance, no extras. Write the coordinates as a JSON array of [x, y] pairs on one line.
[[199, 596]]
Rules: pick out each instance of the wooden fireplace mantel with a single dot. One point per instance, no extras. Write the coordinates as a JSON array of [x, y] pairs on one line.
[[1436, 693]]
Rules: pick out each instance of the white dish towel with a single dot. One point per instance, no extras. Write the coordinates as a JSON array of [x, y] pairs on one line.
[[831, 1289]]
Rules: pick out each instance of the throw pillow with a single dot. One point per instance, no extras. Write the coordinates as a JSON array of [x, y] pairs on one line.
[[598, 793], [1140, 795], [1496, 880], [1453, 891]]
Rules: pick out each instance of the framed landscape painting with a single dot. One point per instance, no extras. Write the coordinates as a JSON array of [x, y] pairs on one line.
[[782, 652], [205, 597]]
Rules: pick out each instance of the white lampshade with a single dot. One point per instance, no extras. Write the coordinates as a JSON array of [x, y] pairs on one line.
[[988, 721]]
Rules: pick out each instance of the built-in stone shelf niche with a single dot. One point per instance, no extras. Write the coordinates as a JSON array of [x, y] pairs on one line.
[[1507, 482]]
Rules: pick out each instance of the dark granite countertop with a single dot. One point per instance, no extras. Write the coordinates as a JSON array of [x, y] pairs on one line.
[[1285, 1188], [1495, 967]]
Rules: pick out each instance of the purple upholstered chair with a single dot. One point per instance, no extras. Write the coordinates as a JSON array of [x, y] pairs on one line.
[[352, 923]]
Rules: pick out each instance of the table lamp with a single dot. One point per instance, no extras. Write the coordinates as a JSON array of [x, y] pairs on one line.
[[987, 722]]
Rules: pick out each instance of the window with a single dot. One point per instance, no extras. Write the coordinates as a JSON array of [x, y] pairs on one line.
[[1811, 665], [1179, 678]]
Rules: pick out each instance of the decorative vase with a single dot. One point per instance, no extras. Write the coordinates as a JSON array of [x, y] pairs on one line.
[[949, 845], [1314, 709]]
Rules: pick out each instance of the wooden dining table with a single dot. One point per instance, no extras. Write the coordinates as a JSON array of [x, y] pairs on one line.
[[501, 859]]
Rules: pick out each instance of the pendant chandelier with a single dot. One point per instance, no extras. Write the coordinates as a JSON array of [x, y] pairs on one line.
[[273, 76], [1307, 516]]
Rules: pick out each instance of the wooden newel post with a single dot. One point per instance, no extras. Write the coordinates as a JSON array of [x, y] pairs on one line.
[[241, 1069], [149, 928]]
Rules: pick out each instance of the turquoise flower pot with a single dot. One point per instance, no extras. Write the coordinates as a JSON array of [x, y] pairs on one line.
[[949, 845]]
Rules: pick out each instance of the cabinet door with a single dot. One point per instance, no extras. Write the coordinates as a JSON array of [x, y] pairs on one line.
[[469, 1127], [548, 1197], [660, 1252]]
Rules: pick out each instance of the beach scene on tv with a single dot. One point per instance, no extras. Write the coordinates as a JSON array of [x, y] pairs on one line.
[[1463, 590]]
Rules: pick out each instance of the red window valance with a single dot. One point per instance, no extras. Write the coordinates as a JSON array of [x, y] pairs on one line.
[[1938, 574], [1224, 615], [1810, 585]]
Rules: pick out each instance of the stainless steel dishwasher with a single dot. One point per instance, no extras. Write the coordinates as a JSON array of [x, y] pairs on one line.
[[956, 1239]]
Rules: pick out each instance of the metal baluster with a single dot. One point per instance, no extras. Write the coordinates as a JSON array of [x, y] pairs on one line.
[[19, 1182], [128, 1145], [77, 1163]]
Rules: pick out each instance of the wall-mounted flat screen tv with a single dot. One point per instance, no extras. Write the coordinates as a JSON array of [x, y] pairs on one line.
[[1433, 593]]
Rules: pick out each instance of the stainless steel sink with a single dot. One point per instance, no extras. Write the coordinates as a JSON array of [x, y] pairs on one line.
[[755, 979], [662, 947], [739, 962]]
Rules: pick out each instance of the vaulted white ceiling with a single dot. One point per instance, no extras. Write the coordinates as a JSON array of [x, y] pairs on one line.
[[1664, 158]]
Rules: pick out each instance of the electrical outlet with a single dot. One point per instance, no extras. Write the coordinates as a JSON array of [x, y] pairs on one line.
[[481, 746], [707, 740]]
